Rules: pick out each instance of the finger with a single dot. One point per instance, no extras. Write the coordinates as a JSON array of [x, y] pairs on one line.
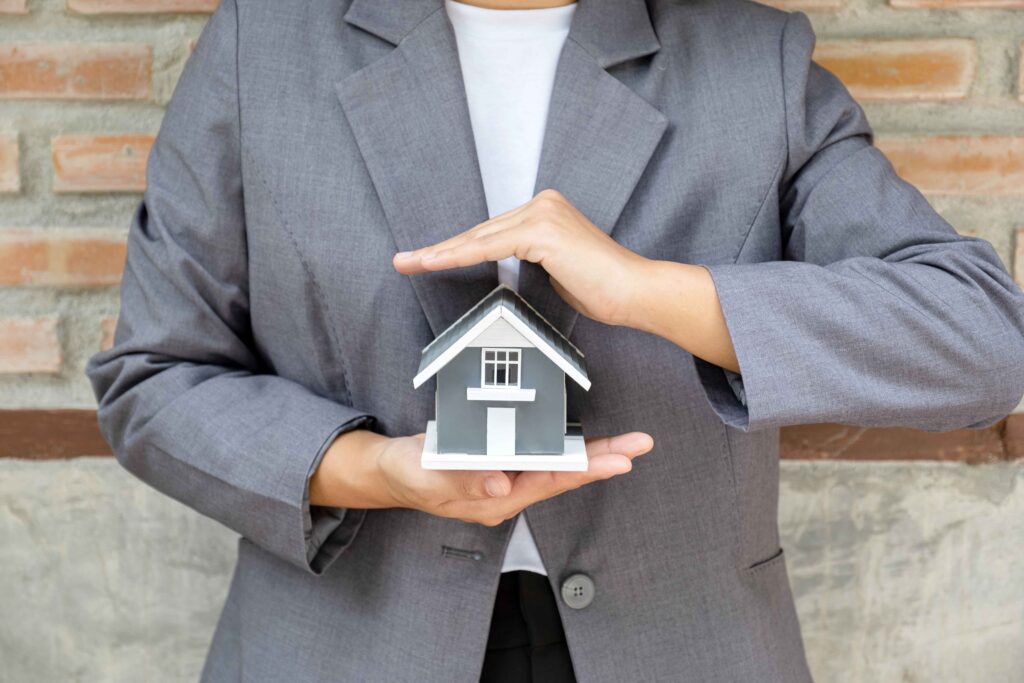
[[466, 238], [599, 467], [470, 485], [531, 487], [408, 262], [630, 444], [459, 252], [449, 242], [524, 241], [488, 512], [607, 457]]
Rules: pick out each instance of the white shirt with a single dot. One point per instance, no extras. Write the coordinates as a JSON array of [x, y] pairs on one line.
[[508, 60]]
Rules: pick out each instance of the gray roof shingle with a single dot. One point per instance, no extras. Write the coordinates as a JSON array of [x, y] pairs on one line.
[[504, 296]]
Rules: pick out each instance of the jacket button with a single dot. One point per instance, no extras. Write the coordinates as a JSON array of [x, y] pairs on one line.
[[578, 591]]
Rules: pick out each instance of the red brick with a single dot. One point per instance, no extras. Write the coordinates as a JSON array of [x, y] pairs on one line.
[[901, 69], [10, 163], [107, 328], [956, 4], [13, 6], [141, 6], [1013, 436], [842, 442], [50, 434], [75, 71], [54, 434], [100, 163], [29, 345], [60, 258], [959, 165]]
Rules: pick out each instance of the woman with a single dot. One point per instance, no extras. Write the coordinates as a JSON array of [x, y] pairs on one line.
[[674, 185]]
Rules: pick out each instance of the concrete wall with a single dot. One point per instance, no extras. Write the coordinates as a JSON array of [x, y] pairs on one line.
[[903, 573], [102, 578], [907, 573]]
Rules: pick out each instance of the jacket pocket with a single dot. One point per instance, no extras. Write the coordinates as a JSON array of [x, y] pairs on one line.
[[770, 561]]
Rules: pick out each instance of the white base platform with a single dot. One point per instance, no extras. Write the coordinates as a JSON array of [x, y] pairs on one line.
[[573, 460]]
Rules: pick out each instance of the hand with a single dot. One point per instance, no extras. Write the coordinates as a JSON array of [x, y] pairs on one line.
[[396, 478], [491, 497], [593, 273]]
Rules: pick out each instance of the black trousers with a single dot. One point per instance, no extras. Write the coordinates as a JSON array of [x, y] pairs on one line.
[[526, 643]]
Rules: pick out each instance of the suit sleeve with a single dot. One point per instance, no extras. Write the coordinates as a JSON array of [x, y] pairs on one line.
[[184, 400], [880, 314]]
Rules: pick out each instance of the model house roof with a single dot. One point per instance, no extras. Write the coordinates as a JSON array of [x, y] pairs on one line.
[[502, 303]]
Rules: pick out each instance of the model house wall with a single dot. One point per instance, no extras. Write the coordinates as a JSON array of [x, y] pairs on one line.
[[462, 423]]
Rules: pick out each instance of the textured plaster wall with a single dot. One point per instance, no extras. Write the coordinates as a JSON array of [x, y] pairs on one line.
[[907, 573], [903, 573]]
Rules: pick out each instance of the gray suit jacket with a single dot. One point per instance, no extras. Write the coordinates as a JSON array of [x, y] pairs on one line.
[[308, 140]]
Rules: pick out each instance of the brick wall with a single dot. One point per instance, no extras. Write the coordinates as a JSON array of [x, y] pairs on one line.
[[83, 84]]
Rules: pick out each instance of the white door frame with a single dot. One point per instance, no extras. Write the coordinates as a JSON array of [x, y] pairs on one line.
[[501, 431]]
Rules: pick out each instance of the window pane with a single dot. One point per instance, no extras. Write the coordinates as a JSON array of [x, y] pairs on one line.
[[500, 356], [513, 355], [513, 374], [501, 381], [488, 373], [488, 355]]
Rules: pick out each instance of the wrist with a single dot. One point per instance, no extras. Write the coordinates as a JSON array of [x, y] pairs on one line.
[[633, 292], [679, 302], [653, 281], [349, 475], [666, 296]]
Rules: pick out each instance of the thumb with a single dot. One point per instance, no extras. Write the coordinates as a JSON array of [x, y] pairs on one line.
[[481, 485]]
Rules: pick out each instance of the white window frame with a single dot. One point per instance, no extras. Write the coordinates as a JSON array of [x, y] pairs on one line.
[[508, 362]]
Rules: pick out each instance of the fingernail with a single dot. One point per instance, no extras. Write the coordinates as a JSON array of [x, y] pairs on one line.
[[493, 487], [643, 445], [624, 467], [403, 254]]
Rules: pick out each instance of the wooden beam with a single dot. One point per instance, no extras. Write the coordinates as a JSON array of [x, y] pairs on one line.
[[59, 434], [50, 434]]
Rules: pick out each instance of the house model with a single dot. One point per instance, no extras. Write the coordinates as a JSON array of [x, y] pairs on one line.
[[500, 401]]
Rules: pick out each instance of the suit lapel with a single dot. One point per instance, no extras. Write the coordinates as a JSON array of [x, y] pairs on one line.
[[600, 136], [410, 118]]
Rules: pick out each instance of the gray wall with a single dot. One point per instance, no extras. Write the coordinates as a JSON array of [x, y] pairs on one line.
[[903, 573], [462, 424]]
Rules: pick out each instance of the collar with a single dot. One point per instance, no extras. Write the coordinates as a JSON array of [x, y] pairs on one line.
[[611, 31]]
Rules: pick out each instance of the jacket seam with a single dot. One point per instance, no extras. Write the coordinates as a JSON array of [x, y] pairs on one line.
[[773, 183], [760, 209], [737, 545], [784, 161], [318, 292], [782, 89]]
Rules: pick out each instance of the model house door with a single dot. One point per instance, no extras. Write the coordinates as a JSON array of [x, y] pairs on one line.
[[501, 431]]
